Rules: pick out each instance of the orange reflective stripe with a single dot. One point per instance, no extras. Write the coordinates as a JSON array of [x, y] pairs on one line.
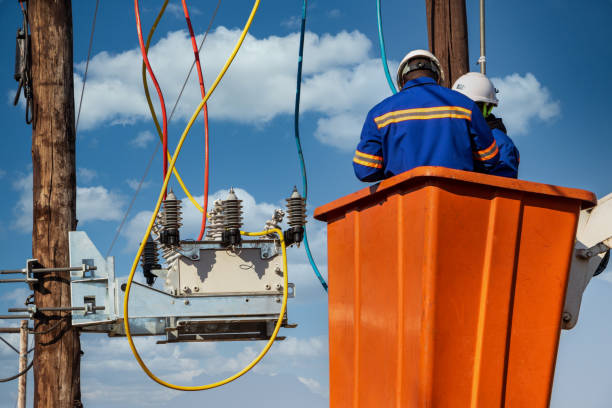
[[368, 156], [490, 156], [368, 164], [382, 118], [423, 117], [487, 153]]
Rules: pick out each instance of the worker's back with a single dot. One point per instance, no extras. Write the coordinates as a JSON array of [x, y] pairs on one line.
[[423, 125]]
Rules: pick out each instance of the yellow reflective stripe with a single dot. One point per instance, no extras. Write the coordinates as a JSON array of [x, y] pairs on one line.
[[424, 117], [368, 164], [422, 110], [490, 156], [488, 153], [368, 156], [488, 150]]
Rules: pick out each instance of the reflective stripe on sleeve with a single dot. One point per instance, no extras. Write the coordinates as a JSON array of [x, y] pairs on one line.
[[368, 160], [488, 153]]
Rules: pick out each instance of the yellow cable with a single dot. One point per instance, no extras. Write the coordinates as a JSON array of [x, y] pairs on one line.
[[152, 221], [152, 109]]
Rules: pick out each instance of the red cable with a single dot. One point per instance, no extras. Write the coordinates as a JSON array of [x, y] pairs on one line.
[[159, 92], [203, 91]]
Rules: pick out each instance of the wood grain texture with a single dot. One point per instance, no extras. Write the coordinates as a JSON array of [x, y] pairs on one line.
[[448, 37], [57, 353]]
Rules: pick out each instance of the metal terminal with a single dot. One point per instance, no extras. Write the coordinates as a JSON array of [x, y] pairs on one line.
[[149, 260], [274, 222], [171, 221]]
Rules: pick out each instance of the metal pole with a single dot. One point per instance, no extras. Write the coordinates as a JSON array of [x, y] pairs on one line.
[[23, 362], [483, 59]]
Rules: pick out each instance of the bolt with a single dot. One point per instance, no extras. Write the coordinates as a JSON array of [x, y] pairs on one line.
[[267, 287], [278, 271], [196, 288], [278, 300], [279, 286], [186, 289], [567, 316], [194, 257], [186, 301]]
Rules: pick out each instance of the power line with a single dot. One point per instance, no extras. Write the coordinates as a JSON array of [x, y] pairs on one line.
[[93, 29], [144, 176]]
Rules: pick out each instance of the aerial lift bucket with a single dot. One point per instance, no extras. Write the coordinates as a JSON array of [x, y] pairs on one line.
[[446, 289]]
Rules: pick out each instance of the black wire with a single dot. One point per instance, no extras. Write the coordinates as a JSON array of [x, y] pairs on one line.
[[50, 329], [93, 28], [2, 380], [9, 344]]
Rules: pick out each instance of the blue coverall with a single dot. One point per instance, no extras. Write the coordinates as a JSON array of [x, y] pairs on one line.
[[509, 157], [424, 125]]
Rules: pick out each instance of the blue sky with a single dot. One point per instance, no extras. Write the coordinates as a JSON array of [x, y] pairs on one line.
[[549, 59]]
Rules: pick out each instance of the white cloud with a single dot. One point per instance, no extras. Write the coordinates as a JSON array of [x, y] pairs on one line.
[[98, 203], [334, 13], [177, 10], [142, 139], [86, 175], [292, 22], [314, 386], [341, 82], [93, 203], [133, 183], [523, 100], [23, 208]]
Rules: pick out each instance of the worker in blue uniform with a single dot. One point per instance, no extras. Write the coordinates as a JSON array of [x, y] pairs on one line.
[[424, 124], [481, 90]]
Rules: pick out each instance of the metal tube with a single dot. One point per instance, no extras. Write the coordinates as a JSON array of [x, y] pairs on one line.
[[483, 59], [2, 317], [72, 268], [11, 271], [16, 280], [52, 309]]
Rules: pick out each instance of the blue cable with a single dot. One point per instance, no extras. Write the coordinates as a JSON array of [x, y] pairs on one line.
[[299, 144], [383, 54]]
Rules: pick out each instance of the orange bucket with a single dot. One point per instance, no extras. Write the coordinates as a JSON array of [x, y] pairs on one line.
[[446, 289]]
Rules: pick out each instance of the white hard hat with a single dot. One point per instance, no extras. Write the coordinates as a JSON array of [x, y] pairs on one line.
[[477, 87], [404, 68]]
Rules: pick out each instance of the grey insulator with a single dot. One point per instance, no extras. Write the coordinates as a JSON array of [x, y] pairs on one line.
[[149, 255], [296, 209], [232, 211], [172, 212]]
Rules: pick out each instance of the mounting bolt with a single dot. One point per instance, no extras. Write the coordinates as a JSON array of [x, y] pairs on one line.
[[196, 288], [279, 286], [567, 316], [278, 271], [268, 287], [186, 301], [186, 289], [194, 257], [278, 300]]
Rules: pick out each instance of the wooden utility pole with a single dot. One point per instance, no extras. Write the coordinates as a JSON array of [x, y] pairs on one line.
[[57, 353], [448, 37], [23, 363]]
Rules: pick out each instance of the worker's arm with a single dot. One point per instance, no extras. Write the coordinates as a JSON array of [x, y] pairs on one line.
[[484, 148], [368, 159], [508, 156]]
